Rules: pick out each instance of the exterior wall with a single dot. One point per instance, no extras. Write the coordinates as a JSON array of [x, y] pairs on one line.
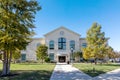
[[81, 41], [54, 35], [31, 48]]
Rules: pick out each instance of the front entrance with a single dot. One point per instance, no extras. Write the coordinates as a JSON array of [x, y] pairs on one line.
[[62, 59]]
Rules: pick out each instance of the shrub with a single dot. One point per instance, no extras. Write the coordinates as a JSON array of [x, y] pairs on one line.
[[47, 59]]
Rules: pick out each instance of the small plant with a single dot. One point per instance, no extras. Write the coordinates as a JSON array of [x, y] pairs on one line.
[[47, 59]]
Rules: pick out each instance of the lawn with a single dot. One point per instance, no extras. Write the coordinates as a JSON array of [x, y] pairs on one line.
[[30, 71], [99, 69]]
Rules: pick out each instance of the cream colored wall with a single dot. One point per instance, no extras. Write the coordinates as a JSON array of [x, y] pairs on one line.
[[68, 35], [31, 48], [81, 41]]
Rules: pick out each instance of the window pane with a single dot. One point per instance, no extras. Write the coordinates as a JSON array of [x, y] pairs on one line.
[[51, 56], [51, 45], [23, 57], [72, 44], [84, 45], [62, 43], [38, 44]]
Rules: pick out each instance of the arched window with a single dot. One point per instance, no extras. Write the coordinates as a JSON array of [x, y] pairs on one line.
[[72, 44], [51, 45], [62, 43]]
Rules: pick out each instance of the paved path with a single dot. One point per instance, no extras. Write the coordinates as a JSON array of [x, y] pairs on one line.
[[67, 72], [112, 75]]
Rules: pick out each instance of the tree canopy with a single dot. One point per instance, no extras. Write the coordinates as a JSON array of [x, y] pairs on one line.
[[16, 27], [42, 52], [96, 43], [16, 55]]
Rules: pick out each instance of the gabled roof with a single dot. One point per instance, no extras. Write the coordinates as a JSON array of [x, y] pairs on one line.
[[62, 27]]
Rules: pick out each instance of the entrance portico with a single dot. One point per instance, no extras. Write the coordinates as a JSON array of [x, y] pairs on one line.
[[62, 58]]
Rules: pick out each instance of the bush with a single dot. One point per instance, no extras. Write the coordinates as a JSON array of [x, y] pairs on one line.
[[47, 59]]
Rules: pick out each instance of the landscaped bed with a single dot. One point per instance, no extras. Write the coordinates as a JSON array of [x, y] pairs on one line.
[[30, 71], [94, 70]]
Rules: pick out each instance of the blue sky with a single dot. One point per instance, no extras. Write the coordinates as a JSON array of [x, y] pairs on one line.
[[78, 15]]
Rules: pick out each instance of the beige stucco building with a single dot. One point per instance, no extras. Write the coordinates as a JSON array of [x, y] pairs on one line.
[[61, 42]]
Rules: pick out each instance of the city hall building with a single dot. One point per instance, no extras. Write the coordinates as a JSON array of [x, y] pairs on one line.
[[59, 41]]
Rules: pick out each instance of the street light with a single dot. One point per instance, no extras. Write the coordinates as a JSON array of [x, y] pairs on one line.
[[71, 55]]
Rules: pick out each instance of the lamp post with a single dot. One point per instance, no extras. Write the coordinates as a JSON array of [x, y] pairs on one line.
[[71, 55]]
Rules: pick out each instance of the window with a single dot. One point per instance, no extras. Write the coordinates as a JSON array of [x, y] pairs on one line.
[[62, 43], [23, 57], [51, 56], [51, 45], [38, 44], [84, 45], [72, 44]]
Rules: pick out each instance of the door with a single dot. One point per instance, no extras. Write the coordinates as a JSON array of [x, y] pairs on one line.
[[62, 59]]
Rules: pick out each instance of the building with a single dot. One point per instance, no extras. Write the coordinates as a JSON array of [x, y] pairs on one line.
[[59, 41]]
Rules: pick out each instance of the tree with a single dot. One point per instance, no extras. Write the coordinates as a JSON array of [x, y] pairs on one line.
[[96, 43], [16, 55], [78, 55], [42, 52], [16, 27], [110, 52], [0, 56]]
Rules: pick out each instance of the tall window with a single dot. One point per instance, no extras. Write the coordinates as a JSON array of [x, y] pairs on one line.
[[62, 43], [72, 44], [51, 56], [23, 57], [84, 45], [38, 44], [51, 45]]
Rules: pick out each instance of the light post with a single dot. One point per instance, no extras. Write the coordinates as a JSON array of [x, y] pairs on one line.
[[71, 56]]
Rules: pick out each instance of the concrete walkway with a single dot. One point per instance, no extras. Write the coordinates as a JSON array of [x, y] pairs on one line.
[[112, 75], [67, 72]]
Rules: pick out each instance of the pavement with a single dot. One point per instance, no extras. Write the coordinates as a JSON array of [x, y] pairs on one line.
[[112, 75], [63, 71], [67, 72]]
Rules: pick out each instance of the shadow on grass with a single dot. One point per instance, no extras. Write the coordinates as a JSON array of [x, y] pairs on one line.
[[93, 73], [29, 75], [35, 63], [112, 65]]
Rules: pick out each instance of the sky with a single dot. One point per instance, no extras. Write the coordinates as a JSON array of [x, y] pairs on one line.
[[78, 16]]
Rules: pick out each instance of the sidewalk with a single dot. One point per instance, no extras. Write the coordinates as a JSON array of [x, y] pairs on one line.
[[112, 75], [67, 72]]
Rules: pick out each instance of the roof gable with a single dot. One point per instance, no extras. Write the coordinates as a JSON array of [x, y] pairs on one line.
[[61, 28]]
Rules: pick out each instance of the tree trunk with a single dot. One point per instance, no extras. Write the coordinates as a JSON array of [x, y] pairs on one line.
[[6, 63], [9, 62], [42, 61], [95, 61], [4, 70]]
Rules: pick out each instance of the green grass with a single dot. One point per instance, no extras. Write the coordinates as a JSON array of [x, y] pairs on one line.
[[30, 71], [99, 69]]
